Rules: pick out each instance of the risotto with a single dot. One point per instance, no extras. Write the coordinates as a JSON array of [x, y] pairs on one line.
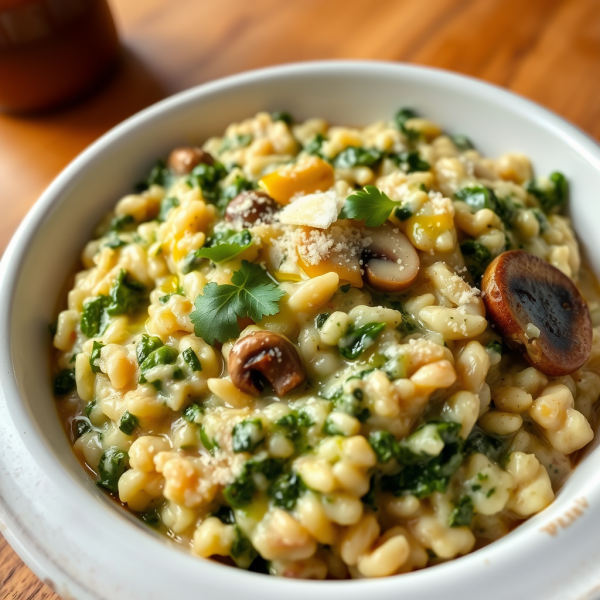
[[329, 352]]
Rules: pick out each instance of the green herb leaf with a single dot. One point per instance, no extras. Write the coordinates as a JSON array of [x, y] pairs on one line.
[[480, 442], [345, 288], [225, 246], [64, 382], [462, 514], [112, 465], [165, 299], [552, 192], [251, 294], [191, 359], [90, 407], [241, 492], [95, 356], [147, 345], [236, 141], [151, 518], [369, 205], [355, 156], [210, 445], [128, 423], [356, 341], [225, 515], [166, 206]]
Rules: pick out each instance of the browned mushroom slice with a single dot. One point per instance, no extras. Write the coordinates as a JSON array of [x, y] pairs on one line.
[[265, 356], [524, 294], [391, 263], [250, 207], [183, 160]]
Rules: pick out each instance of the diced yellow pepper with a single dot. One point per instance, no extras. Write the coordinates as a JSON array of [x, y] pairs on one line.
[[347, 267], [423, 230], [311, 175]]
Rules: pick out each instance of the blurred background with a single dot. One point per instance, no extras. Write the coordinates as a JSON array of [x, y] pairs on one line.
[[546, 50]]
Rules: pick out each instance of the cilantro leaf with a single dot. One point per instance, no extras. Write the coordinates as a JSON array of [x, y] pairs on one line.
[[354, 156], [370, 205], [250, 294]]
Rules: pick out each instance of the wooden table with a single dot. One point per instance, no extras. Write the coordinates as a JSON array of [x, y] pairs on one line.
[[547, 50]]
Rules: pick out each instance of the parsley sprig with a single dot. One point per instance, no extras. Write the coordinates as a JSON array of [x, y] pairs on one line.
[[251, 294], [370, 205]]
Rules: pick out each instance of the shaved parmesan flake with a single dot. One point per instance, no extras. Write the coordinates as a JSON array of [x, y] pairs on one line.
[[318, 210]]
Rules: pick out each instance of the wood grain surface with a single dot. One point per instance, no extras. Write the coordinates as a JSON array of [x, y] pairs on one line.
[[547, 50]]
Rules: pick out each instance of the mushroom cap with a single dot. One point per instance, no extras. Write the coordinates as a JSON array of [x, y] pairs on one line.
[[264, 355], [391, 263], [183, 160], [251, 206], [520, 290]]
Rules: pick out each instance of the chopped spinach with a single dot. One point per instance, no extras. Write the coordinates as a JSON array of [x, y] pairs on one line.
[[282, 115], [314, 146], [345, 288], [552, 192], [126, 295], [147, 345], [401, 117], [384, 445], [166, 206], [403, 213], [286, 490], [225, 515], [207, 178], [477, 197], [477, 258], [241, 492], [248, 435], [64, 383], [356, 341], [462, 142], [128, 423], [321, 319], [424, 479], [495, 346], [113, 463], [94, 319], [95, 356], [236, 141], [80, 427], [462, 514], [410, 162], [119, 222], [151, 518], [192, 413], [191, 360], [239, 185], [165, 355], [159, 175], [355, 156], [210, 445]]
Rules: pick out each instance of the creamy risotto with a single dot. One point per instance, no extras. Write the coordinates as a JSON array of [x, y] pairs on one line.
[[329, 352]]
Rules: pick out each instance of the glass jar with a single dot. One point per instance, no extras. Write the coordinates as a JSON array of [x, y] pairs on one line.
[[52, 51]]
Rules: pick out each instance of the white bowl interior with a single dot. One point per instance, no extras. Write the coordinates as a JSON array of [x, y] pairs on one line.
[[46, 245]]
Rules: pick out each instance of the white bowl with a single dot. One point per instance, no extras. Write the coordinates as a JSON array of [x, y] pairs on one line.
[[71, 534]]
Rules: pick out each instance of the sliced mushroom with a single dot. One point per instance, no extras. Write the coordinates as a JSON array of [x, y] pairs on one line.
[[265, 356], [250, 207], [391, 263], [183, 160], [539, 311]]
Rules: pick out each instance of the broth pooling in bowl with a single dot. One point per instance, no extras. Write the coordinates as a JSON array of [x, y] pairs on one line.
[[278, 350]]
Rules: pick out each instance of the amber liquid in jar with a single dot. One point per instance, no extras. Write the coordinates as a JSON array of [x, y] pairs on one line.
[[52, 51]]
